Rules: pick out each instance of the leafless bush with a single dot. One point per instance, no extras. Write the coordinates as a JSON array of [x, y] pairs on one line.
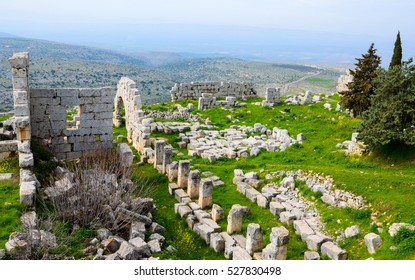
[[97, 192]]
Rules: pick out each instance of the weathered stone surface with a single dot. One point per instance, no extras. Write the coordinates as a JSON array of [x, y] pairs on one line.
[[279, 236], [180, 195], [29, 220], [172, 188], [235, 218], [103, 233], [142, 247], [352, 231], [126, 154], [303, 229], [111, 244], [137, 229], [204, 231], [205, 193], [157, 228], [2, 253], [128, 251], [333, 251], [254, 240], [28, 193], [276, 208], [311, 256], [184, 210], [274, 252], [211, 223], [217, 213], [201, 214], [183, 173], [154, 246], [193, 183], [373, 242], [252, 194], [240, 254], [287, 217], [217, 243], [395, 227], [315, 241]]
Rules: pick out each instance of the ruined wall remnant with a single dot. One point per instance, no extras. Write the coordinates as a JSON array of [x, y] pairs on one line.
[[128, 97], [94, 130], [343, 81], [194, 90]]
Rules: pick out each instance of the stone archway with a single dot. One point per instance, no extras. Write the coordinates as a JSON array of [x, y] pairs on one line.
[[129, 98]]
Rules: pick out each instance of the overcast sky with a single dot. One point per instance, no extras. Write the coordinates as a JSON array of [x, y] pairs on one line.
[[344, 16]]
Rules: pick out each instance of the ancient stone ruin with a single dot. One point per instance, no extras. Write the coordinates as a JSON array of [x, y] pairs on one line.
[[343, 81], [194, 90]]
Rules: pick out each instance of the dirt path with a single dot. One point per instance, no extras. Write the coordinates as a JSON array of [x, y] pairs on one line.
[[287, 86]]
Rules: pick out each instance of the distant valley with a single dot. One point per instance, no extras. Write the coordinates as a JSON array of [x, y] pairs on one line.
[[62, 65]]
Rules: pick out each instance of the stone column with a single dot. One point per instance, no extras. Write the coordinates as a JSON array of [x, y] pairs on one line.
[[183, 173], [167, 157], [21, 97], [235, 219], [159, 153], [193, 183], [254, 240], [205, 192]]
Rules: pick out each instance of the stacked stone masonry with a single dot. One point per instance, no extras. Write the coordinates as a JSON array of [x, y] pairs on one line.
[[195, 90], [94, 131]]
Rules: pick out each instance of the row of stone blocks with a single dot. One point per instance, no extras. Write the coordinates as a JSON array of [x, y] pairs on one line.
[[315, 240]]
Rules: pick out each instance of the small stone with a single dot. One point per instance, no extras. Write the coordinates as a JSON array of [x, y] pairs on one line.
[[311, 256], [352, 231], [217, 213], [372, 241], [333, 251]]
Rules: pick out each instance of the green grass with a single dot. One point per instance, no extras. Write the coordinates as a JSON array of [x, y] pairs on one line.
[[3, 118], [320, 81], [384, 180], [10, 210]]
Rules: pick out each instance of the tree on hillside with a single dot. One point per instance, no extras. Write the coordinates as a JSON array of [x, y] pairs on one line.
[[357, 97], [391, 118], [397, 52]]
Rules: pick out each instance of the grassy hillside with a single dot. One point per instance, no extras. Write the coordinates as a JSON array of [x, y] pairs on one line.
[[384, 181]]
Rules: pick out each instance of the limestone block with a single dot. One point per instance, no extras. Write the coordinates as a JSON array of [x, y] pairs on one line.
[[274, 252], [21, 110], [25, 160], [395, 227], [28, 193], [240, 254], [137, 229], [180, 194], [217, 243], [193, 183], [205, 192], [329, 199], [352, 231], [154, 246], [191, 220], [252, 194], [303, 229], [204, 231], [19, 60], [167, 157], [254, 240], [183, 173], [211, 223], [333, 251], [200, 214], [373, 242], [315, 241], [184, 210], [235, 219], [311, 256], [287, 217], [217, 213], [128, 251], [279, 236]]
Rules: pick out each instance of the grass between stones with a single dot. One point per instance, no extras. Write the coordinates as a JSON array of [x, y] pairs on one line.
[[385, 180], [10, 208]]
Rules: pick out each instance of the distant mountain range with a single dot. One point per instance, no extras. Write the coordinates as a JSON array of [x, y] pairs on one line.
[[62, 65]]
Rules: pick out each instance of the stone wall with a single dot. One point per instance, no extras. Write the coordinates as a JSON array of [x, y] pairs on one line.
[[94, 130], [194, 90], [129, 97], [343, 81]]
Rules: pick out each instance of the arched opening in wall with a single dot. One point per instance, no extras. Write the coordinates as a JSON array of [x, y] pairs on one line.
[[119, 112]]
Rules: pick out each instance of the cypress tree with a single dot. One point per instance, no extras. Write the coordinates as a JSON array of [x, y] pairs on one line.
[[397, 52], [390, 121], [357, 97]]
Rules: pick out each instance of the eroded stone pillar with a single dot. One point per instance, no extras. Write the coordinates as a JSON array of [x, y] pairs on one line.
[[193, 183], [183, 173], [205, 192], [254, 240]]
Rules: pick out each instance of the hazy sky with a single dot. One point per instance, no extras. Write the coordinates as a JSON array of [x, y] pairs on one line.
[[378, 17]]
